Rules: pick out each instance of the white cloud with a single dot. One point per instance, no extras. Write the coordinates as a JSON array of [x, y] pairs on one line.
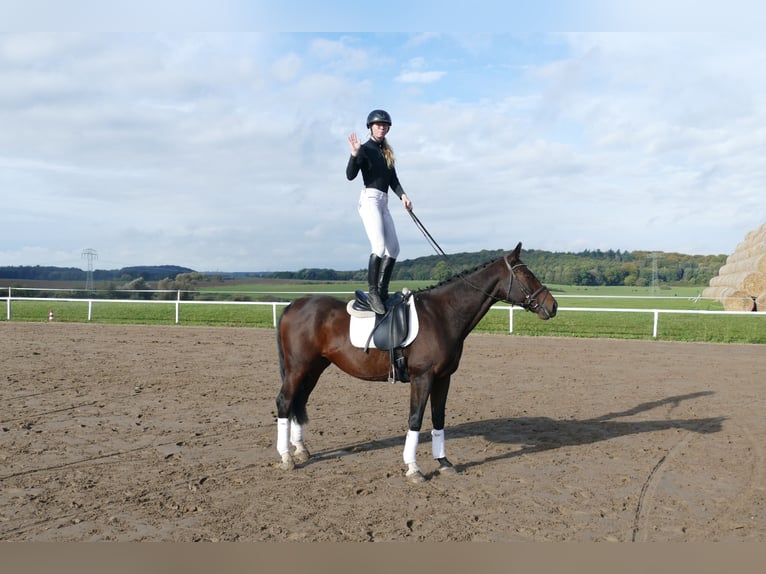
[[340, 55], [416, 72], [420, 77], [287, 68], [227, 151]]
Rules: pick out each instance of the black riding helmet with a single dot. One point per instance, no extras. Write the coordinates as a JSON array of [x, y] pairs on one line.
[[378, 117]]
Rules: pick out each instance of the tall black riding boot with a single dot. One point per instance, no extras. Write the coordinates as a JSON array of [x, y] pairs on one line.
[[386, 270], [373, 272]]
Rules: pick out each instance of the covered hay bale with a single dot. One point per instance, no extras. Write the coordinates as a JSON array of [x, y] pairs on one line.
[[716, 292], [712, 292], [736, 280], [754, 244], [743, 278], [756, 234], [752, 283], [746, 253], [755, 263], [760, 303], [732, 299]]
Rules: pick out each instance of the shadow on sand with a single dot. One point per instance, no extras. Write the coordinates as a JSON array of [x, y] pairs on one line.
[[538, 434]]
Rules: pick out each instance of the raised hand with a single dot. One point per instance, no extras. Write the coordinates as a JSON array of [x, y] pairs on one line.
[[353, 142]]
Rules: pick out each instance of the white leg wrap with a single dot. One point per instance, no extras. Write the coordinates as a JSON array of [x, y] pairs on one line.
[[437, 444], [411, 446], [283, 436], [296, 434]]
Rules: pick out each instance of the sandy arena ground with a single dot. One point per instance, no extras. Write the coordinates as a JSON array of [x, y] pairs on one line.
[[167, 433]]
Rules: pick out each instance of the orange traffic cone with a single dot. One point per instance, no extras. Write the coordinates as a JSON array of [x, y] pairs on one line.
[[50, 315]]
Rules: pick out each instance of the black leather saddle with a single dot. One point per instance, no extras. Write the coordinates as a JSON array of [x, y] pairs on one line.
[[390, 330]]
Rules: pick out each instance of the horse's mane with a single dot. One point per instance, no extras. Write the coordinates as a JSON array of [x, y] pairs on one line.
[[456, 276]]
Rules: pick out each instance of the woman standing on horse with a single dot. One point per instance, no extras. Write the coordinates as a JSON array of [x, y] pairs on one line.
[[375, 159]]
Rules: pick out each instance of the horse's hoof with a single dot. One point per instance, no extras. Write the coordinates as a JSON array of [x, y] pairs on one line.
[[416, 477], [301, 456], [414, 474], [287, 462], [445, 467]]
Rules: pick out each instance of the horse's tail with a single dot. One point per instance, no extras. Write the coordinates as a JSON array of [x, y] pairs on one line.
[[297, 407], [279, 345]]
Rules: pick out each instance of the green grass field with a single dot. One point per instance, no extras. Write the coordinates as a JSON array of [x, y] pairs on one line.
[[570, 322]]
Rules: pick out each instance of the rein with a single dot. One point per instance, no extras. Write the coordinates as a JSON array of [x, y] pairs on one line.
[[530, 302], [427, 235]]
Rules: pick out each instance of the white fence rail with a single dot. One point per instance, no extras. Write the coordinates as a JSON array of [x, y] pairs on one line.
[[179, 302], [655, 312]]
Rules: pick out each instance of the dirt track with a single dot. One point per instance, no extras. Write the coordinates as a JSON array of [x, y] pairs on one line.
[[167, 434]]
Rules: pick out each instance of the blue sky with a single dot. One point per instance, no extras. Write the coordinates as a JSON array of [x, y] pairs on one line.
[[225, 151]]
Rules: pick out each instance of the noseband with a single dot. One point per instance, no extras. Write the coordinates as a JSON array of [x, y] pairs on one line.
[[530, 302]]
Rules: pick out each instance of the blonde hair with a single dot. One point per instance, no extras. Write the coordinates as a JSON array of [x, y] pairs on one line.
[[388, 153]]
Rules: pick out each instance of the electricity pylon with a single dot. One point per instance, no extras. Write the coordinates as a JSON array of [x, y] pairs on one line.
[[89, 254]]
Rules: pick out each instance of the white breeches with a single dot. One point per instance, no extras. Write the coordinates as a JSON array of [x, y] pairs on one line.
[[378, 223]]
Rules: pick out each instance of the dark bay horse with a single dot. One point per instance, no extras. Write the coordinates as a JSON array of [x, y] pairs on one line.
[[313, 332]]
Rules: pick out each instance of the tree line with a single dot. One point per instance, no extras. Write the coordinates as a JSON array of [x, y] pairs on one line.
[[628, 268], [123, 275]]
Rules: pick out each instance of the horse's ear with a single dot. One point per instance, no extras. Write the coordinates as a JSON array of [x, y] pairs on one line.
[[517, 251]]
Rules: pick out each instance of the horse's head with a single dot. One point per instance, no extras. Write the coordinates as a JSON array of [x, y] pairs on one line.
[[525, 290]]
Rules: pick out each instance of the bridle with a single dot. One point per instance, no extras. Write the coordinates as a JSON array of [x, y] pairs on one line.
[[530, 302]]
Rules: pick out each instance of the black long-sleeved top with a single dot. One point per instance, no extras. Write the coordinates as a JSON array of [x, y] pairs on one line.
[[375, 172]]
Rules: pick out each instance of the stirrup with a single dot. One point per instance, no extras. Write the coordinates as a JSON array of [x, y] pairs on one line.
[[399, 370]]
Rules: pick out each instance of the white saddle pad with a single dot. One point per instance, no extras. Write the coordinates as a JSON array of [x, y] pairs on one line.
[[361, 327]]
